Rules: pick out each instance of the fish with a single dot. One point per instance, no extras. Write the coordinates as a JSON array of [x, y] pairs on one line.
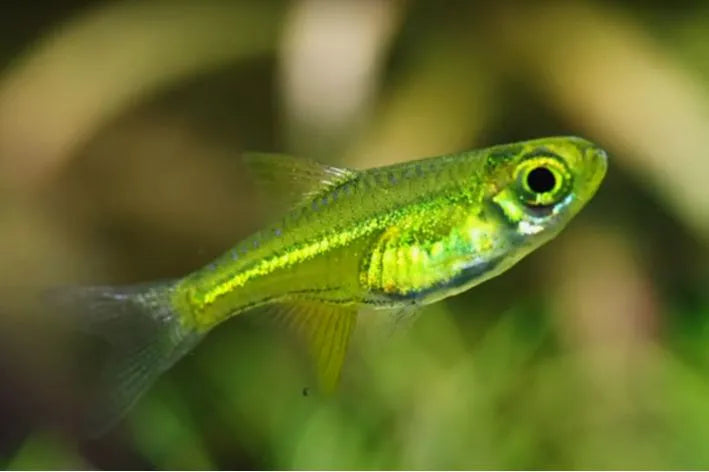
[[389, 239]]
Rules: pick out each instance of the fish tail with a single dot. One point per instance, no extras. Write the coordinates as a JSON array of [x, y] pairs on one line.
[[146, 336]]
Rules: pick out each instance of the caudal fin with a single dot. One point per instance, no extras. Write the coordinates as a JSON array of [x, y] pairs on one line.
[[146, 338]]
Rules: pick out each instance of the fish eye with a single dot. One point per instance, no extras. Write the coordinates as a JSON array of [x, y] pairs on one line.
[[543, 181]]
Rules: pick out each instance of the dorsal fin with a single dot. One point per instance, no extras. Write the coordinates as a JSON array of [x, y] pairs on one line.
[[293, 180]]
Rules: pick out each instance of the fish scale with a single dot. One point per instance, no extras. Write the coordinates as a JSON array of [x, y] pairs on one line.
[[315, 229]]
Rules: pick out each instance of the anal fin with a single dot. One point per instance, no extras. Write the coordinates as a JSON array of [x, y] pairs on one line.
[[326, 331]]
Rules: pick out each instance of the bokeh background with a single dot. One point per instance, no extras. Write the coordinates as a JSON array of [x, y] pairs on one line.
[[121, 129]]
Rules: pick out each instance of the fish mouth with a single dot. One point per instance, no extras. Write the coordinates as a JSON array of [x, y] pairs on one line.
[[599, 162]]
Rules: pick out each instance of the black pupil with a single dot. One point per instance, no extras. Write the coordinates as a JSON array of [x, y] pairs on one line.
[[541, 180]]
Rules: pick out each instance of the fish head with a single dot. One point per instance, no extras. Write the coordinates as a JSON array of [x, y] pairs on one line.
[[538, 186]]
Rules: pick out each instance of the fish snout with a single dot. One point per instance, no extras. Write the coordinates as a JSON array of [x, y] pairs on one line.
[[597, 162]]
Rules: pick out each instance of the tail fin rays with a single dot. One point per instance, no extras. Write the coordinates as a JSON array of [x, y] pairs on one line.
[[146, 336]]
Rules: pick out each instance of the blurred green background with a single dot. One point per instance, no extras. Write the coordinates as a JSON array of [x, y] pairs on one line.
[[121, 128]]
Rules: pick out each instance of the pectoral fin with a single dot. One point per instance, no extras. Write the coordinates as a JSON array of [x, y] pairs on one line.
[[326, 330], [377, 328]]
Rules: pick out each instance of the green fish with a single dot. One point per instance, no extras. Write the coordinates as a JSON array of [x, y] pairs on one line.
[[391, 239]]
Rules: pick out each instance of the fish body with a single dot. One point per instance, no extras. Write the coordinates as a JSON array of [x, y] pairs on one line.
[[390, 238], [411, 233]]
